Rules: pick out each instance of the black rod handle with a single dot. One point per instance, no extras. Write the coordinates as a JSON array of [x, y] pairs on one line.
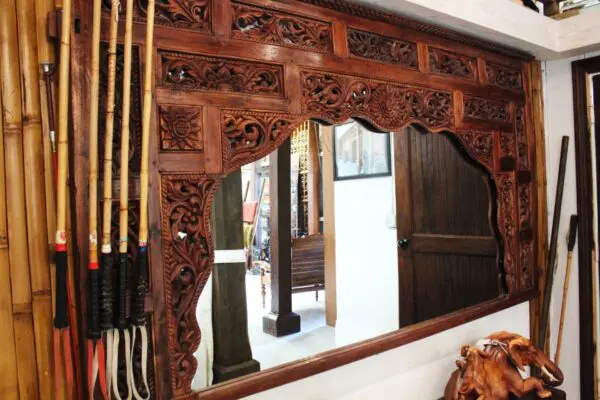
[[572, 232], [121, 314], [61, 316], [106, 291], [140, 287], [94, 303]]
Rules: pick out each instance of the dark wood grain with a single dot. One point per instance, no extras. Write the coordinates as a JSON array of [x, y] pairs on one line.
[[585, 211]]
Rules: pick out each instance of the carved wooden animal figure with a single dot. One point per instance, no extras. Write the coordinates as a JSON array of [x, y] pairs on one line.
[[494, 372]]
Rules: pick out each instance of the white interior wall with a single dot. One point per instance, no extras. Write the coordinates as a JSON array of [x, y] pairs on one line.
[[558, 115], [366, 259]]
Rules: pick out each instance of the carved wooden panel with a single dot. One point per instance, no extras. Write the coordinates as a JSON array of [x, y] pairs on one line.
[[200, 72], [180, 128], [251, 135], [505, 184], [194, 15], [387, 106], [187, 263], [479, 145], [447, 63], [526, 262], [486, 109], [524, 206], [135, 116], [504, 77], [272, 26], [380, 48], [507, 144], [521, 133]]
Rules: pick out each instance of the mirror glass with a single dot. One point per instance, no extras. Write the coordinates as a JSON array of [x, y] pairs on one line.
[[340, 235]]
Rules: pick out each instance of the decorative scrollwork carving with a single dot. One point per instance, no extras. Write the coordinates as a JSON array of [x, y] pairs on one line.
[[250, 135], [524, 204], [522, 145], [504, 77], [273, 26], [188, 255], [486, 109], [506, 224], [180, 128], [446, 63], [478, 145], [135, 116], [526, 258], [194, 15], [199, 72], [382, 48], [385, 105], [507, 144]]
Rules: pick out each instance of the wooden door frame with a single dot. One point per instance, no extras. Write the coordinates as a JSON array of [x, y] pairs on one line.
[[585, 209]]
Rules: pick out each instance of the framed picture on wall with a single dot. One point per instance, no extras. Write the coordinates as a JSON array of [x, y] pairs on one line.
[[360, 153]]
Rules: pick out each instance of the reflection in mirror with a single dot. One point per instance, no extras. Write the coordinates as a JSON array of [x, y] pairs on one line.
[[342, 234]]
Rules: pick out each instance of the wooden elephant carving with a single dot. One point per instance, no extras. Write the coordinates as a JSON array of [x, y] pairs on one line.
[[494, 372]]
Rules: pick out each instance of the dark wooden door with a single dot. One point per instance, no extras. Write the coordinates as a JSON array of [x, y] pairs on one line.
[[446, 245]]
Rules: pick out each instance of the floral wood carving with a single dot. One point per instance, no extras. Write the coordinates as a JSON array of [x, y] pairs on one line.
[[526, 258], [382, 48], [486, 109], [504, 77], [478, 145], [507, 144], [199, 72], [524, 204], [277, 27], [506, 224], [184, 14], [249, 135], [522, 145], [446, 63], [135, 117], [188, 256], [387, 106], [180, 128]]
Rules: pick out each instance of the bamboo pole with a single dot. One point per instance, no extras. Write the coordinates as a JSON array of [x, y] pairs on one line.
[[9, 385], [35, 194], [15, 199]]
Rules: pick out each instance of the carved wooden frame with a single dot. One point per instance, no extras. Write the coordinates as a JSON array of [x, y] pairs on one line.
[[249, 90]]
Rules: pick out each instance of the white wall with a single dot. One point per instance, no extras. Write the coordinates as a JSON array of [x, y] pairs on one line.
[[366, 259], [558, 114], [417, 371]]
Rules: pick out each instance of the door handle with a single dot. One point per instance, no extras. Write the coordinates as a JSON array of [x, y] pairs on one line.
[[403, 243]]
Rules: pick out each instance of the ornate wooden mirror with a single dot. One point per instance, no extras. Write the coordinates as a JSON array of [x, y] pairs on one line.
[[235, 78]]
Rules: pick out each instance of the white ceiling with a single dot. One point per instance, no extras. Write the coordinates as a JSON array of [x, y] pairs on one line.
[[506, 23]]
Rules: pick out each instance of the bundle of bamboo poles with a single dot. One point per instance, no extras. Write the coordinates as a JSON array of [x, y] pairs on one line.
[[27, 204]]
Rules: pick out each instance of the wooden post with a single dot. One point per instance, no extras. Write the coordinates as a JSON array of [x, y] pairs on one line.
[[15, 200], [314, 173], [35, 194], [281, 320], [329, 227], [232, 352]]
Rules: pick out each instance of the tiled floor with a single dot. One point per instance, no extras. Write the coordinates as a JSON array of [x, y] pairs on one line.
[[314, 336]]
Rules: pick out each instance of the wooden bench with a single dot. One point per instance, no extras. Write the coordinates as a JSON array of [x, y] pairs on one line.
[[308, 266]]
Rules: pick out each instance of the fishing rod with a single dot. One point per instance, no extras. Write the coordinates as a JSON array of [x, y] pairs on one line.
[[140, 277], [95, 346], [61, 318], [121, 309], [106, 259]]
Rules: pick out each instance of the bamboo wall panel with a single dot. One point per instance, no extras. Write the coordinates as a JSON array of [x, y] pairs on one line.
[[35, 193], [17, 229], [9, 386]]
